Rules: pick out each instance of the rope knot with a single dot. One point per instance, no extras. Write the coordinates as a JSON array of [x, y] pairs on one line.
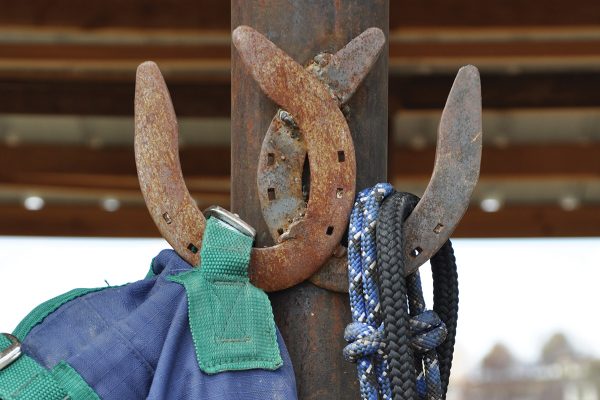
[[428, 331], [363, 340]]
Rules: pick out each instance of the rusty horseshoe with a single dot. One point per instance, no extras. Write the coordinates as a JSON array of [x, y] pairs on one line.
[[282, 188], [312, 238]]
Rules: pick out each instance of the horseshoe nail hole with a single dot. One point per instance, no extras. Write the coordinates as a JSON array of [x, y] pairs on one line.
[[341, 156], [271, 193], [416, 252], [329, 231], [270, 159], [280, 231], [306, 179], [438, 228], [167, 218], [339, 193], [192, 248]]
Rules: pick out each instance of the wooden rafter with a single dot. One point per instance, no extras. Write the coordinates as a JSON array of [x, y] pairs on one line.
[[35, 164], [215, 14], [134, 221], [212, 99]]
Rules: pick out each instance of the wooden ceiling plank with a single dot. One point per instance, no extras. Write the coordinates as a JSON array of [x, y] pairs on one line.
[[115, 166], [107, 98], [134, 221], [215, 14], [512, 13], [541, 161], [17, 162], [530, 221], [142, 14], [113, 52], [69, 220], [212, 99], [203, 62], [220, 50], [501, 91], [508, 49]]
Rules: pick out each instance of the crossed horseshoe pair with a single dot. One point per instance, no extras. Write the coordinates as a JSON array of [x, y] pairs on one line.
[[307, 227]]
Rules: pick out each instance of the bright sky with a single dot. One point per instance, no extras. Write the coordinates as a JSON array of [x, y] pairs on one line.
[[516, 291]]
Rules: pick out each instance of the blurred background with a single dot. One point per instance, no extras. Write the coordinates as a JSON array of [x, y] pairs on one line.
[[528, 246]]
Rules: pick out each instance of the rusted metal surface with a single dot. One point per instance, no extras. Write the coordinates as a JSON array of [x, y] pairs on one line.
[[281, 189], [448, 193], [455, 174], [282, 196], [334, 274], [159, 172], [312, 239], [311, 319], [345, 70]]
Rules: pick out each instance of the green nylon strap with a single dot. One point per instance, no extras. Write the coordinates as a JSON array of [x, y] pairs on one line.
[[25, 379], [151, 273], [38, 314], [231, 321], [73, 383]]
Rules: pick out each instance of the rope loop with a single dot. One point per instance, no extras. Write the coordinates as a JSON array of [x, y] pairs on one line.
[[428, 331], [364, 341]]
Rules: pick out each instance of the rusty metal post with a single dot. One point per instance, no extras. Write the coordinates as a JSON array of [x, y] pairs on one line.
[[311, 319]]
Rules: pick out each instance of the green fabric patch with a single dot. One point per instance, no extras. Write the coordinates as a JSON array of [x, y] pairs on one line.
[[38, 314], [25, 379], [73, 383], [151, 273], [231, 321]]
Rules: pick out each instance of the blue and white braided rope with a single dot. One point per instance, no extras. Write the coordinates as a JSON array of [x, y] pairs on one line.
[[365, 334]]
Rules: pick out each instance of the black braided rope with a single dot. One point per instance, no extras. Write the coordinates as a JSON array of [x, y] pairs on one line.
[[445, 304], [394, 306], [394, 211]]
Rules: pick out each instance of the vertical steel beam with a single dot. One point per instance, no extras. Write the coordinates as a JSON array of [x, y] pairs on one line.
[[311, 319]]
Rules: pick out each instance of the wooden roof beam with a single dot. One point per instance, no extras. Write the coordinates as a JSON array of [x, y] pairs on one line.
[[115, 166], [212, 99], [134, 221], [216, 15]]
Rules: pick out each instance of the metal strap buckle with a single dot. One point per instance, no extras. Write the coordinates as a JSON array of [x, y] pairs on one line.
[[231, 219], [11, 353]]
